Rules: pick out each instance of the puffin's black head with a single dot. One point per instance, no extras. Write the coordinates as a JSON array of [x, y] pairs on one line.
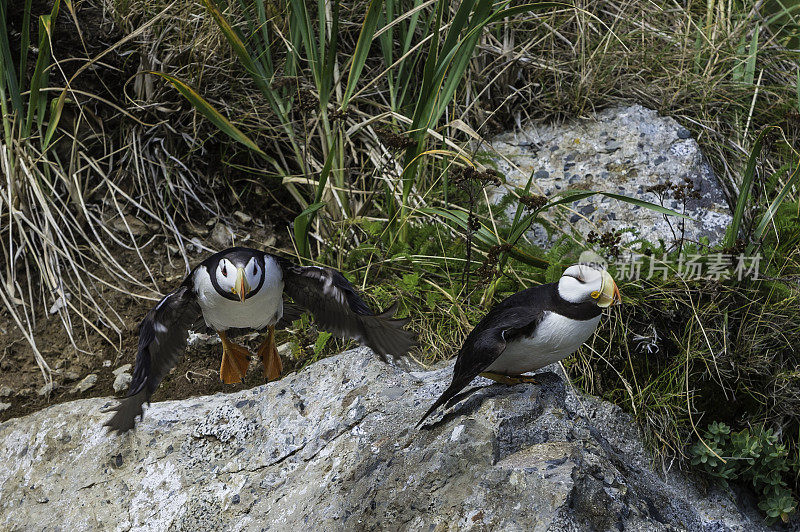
[[588, 282], [238, 273]]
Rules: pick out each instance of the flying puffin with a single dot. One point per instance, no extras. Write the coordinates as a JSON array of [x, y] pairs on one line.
[[244, 288], [531, 329]]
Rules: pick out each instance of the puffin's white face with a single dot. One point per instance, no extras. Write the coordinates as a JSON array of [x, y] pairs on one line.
[[587, 282], [238, 280]]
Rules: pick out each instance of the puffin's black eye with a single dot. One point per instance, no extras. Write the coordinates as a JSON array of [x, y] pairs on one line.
[[255, 269], [224, 270]]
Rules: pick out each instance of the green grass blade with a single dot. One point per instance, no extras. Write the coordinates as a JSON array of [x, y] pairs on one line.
[[207, 110], [520, 205], [6, 62], [750, 67], [362, 48], [56, 108], [460, 218], [326, 171], [322, 31], [301, 224], [699, 55], [737, 74], [429, 70], [766, 218], [461, 20], [326, 85], [302, 24], [304, 219], [619, 197], [572, 196], [42, 62], [25, 39], [264, 50], [484, 235], [744, 191], [39, 78], [236, 43]]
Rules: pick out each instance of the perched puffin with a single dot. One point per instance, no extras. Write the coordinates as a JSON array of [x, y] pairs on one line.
[[244, 288], [531, 329]]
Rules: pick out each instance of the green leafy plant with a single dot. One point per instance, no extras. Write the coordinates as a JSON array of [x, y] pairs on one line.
[[752, 455]]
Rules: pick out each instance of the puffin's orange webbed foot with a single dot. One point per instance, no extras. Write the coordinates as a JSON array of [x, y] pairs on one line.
[[270, 358], [235, 361]]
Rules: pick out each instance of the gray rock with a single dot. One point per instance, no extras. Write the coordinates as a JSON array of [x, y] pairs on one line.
[[242, 216], [46, 388], [334, 448], [122, 378], [122, 381], [197, 338], [70, 376], [86, 383], [623, 150], [125, 368], [222, 235], [285, 350], [4, 406], [5, 391], [131, 224]]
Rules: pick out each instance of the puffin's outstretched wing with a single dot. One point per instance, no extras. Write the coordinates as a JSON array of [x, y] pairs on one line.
[[162, 341], [338, 309], [508, 320]]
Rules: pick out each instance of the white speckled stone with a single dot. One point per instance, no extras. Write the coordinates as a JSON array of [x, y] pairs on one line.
[[624, 151], [334, 448]]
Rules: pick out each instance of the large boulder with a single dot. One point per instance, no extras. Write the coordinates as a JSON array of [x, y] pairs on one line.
[[334, 447], [623, 150]]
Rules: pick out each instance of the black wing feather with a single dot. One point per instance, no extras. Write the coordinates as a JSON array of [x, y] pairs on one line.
[[338, 309], [162, 340], [510, 319]]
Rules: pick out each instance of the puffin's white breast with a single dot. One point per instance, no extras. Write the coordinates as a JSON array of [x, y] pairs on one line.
[[262, 308], [555, 338]]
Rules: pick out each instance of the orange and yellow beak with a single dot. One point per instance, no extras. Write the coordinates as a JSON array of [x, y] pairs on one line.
[[609, 293], [241, 288]]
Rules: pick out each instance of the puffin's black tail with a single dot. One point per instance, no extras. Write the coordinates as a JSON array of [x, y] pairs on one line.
[[448, 394], [126, 412]]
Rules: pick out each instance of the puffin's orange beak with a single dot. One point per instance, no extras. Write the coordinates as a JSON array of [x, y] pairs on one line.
[[609, 293], [241, 288]]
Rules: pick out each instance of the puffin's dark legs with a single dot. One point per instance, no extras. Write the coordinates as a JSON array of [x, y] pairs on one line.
[[508, 379], [235, 360], [269, 356]]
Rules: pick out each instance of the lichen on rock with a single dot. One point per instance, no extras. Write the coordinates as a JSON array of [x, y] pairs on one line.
[[622, 150]]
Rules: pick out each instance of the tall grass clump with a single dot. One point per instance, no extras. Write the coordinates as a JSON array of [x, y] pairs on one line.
[[51, 252], [66, 213], [324, 139]]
